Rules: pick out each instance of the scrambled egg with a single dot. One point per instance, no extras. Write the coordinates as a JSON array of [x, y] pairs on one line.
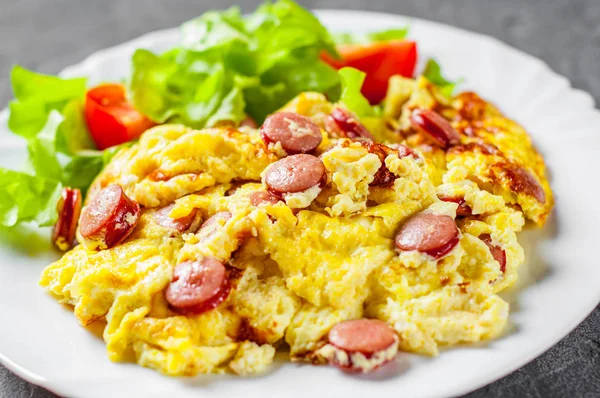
[[495, 152], [298, 272]]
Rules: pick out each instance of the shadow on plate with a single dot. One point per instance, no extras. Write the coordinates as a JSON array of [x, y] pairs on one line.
[[281, 358], [389, 371], [536, 266], [27, 239]]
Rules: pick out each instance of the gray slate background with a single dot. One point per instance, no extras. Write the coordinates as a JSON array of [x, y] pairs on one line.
[[48, 35]]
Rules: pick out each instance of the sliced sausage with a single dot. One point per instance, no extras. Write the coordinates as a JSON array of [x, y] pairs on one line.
[[197, 286], [332, 128], [295, 133], [349, 126], [475, 147], [258, 198], [182, 224], [432, 234], [463, 209], [108, 219], [374, 340], [249, 122], [295, 173], [404, 151], [69, 209], [497, 252], [435, 127], [210, 226]]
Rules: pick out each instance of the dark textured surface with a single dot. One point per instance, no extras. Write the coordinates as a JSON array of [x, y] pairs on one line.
[[48, 35]]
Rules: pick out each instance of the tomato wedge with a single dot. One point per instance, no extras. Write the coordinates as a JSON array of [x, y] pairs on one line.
[[379, 61], [111, 119]]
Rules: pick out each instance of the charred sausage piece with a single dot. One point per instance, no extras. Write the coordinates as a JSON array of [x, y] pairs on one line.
[[69, 209], [108, 219]]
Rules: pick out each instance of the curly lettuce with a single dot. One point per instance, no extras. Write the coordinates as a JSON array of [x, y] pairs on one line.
[[433, 73], [48, 113], [27, 198], [352, 81], [371, 37], [229, 66]]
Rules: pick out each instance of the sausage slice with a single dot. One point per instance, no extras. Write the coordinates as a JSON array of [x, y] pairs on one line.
[[295, 133], [432, 234], [497, 252], [258, 198], [182, 224], [349, 126], [463, 209], [404, 151], [361, 345], [211, 225], [197, 286], [295, 173], [108, 219], [248, 122], [69, 209], [435, 126]]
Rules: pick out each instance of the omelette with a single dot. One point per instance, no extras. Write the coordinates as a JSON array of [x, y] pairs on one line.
[[335, 239]]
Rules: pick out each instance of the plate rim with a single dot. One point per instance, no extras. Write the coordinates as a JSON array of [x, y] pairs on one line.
[[525, 358]]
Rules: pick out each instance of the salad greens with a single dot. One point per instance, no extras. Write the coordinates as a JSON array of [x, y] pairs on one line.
[[27, 198], [433, 73], [370, 37], [36, 96], [229, 65], [48, 113], [352, 81]]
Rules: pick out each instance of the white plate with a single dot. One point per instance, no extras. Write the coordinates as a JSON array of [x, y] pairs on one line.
[[42, 342]]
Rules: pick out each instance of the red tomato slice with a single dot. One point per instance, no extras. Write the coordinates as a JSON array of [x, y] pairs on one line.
[[111, 119], [379, 61]]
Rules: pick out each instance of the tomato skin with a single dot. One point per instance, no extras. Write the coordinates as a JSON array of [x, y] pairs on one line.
[[111, 119], [379, 61]]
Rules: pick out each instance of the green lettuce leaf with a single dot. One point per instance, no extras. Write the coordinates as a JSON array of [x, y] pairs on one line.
[[260, 98], [286, 33], [27, 198], [214, 29], [36, 95], [371, 37], [230, 65], [74, 135], [54, 155], [433, 73], [352, 81], [186, 86], [60, 149]]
